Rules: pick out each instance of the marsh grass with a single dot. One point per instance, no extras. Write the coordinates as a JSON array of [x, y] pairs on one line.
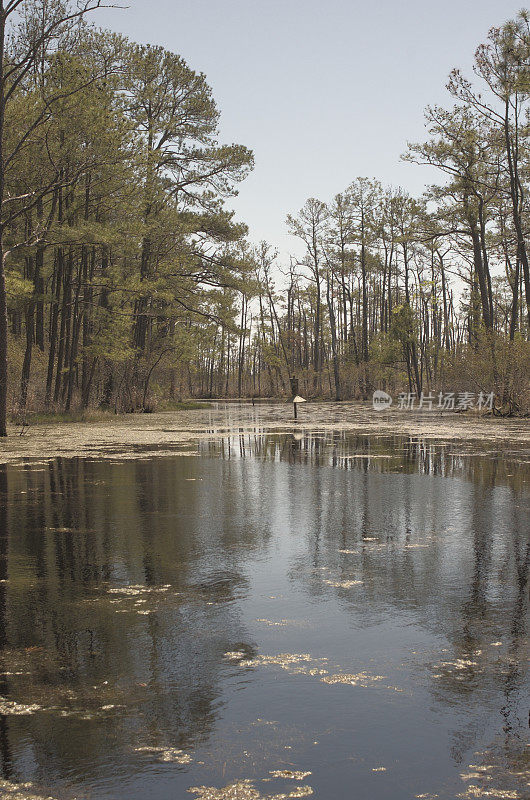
[[30, 418]]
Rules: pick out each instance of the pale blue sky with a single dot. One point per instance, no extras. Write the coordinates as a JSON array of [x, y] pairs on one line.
[[321, 91]]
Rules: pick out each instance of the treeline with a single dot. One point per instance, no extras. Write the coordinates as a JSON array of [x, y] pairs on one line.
[[419, 295], [116, 243], [125, 280]]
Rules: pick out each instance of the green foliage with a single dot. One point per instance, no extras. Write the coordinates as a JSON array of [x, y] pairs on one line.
[[130, 281], [18, 289], [403, 325], [385, 348]]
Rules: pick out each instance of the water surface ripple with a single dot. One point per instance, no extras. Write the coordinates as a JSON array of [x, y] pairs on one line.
[[267, 616]]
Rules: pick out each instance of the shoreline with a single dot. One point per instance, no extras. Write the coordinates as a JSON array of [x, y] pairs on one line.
[[172, 432]]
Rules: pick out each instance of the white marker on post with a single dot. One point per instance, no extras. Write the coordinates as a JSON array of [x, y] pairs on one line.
[[297, 400]]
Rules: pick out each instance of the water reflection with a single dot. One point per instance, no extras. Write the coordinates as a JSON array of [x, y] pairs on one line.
[[334, 603], [480, 462]]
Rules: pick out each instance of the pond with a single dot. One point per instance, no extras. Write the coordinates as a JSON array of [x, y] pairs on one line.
[[267, 616]]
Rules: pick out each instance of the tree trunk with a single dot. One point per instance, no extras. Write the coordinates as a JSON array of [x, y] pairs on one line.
[[30, 336], [334, 344], [3, 343], [3, 295]]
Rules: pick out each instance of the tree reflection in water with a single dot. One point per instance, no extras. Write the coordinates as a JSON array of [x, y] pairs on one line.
[[127, 587]]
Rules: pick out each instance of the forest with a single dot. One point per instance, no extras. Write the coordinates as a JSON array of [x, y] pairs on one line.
[[126, 282]]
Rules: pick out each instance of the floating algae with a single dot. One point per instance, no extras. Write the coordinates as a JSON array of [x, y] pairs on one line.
[[497, 776], [115, 438], [132, 598], [289, 774], [166, 754], [343, 584], [190, 689], [497, 794], [306, 664], [245, 790], [140, 589], [362, 679], [10, 707], [235, 655], [460, 669], [21, 791], [296, 663]]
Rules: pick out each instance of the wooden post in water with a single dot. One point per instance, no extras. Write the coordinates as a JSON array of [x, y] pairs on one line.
[[297, 399]]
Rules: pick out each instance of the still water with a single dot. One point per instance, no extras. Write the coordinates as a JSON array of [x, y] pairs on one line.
[[287, 616]]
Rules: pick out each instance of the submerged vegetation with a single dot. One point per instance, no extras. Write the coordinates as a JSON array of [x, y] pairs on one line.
[[128, 281]]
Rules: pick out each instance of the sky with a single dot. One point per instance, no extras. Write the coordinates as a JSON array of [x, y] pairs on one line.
[[322, 92]]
